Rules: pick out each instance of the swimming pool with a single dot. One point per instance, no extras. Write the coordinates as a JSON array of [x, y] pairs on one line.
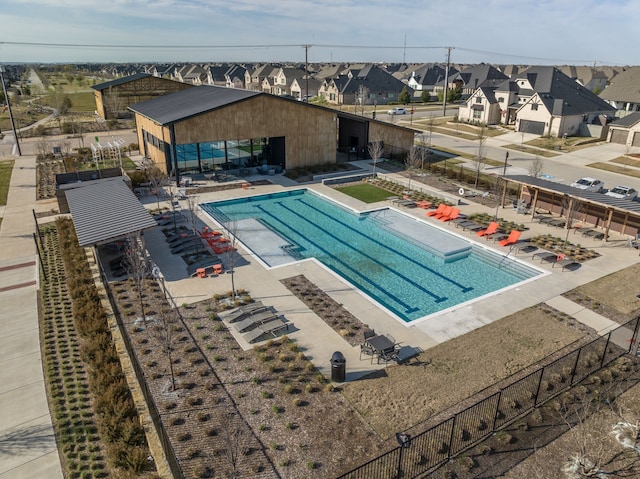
[[409, 267]]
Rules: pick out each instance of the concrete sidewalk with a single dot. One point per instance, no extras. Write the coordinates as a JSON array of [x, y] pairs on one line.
[[26, 433]]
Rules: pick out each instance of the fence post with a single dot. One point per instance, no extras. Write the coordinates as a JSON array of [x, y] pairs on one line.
[[575, 366], [495, 415], [604, 353], [634, 338], [535, 398], [453, 430]]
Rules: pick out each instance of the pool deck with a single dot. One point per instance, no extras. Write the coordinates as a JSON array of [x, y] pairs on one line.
[[319, 341]]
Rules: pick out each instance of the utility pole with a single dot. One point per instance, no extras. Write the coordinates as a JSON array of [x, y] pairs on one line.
[[446, 83], [306, 70], [404, 50], [6, 97]]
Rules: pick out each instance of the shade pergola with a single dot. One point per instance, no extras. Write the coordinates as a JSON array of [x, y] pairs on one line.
[[106, 210], [621, 215]]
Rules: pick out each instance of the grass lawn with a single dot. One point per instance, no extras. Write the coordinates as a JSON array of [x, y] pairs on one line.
[[626, 161], [623, 170], [365, 192], [5, 176], [82, 101], [447, 374], [533, 151]]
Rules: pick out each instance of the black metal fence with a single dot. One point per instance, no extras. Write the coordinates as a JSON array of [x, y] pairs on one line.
[[432, 448]]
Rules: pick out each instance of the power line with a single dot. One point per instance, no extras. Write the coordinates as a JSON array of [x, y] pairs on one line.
[[404, 47]]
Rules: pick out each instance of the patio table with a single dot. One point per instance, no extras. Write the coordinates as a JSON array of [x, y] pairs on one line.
[[381, 344]]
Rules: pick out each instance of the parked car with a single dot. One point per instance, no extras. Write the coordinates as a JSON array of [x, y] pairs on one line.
[[588, 184], [397, 111], [625, 192]]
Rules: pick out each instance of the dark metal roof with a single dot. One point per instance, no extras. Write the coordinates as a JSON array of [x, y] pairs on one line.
[[120, 81], [191, 102], [621, 204], [106, 210]]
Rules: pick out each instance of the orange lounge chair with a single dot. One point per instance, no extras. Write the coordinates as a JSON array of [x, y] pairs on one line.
[[453, 214], [489, 230], [511, 239], [425, 205], [446, 212], [438, 210]]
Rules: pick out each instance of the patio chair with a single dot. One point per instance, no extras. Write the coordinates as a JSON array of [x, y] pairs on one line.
[[453, 214], [439, 210], [566, 263], [367, 350], [511, 239], [271, 329], [244, 311], [254, 320], [445, 212], [489, 230]]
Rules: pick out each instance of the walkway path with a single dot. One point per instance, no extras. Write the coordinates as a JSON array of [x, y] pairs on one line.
[[27, 442]]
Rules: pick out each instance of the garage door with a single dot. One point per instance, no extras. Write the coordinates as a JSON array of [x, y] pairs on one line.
[[535, 127], [636, 139], [619, 136]]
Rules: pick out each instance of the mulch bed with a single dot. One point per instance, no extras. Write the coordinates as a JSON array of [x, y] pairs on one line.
[[269, 406], [332, 313]]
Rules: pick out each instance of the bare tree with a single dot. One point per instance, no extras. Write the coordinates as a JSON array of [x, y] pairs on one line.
[[231, 236], [376, 149], [431, 123], [163, 330], [192, 203], [156, 178], [412, 162], [572, 208], [234, 438], [137, 267], [43, 146], [362, 97], [113, 102], [536, 167], [479, 162]]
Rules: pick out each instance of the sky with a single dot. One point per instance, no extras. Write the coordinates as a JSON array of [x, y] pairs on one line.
[[528, 32]]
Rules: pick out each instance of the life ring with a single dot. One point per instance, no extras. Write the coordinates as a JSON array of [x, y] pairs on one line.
[[461, 191]]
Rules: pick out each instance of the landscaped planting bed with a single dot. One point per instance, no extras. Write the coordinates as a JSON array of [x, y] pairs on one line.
[[253, 412], [80, 445], [96, 422]]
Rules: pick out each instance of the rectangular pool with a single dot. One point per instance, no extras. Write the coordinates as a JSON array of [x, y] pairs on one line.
[[409, 267]]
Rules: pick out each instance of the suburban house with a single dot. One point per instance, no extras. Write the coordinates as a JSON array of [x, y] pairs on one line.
[[235, 76], [255, 75], [304, 88], [428, 76], [625, 130], [208, 128], [370, 86], [623, 92], [191, 73], [216, 75], [282, 80], [113, 98], [471, 78], [540, 100]]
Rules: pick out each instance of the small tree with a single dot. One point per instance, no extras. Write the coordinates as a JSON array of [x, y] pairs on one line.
[[412, 162], [231, 228], [404, 97], [362, 97], [163, 331], [234, 438], [376, 149], [425, 96], [479, 162], [536, 167], [137, 267]]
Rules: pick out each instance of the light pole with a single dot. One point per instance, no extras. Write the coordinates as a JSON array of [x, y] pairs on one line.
[[6, 97]]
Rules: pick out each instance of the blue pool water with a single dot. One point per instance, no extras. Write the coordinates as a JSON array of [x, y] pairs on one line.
[[409, 267]]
